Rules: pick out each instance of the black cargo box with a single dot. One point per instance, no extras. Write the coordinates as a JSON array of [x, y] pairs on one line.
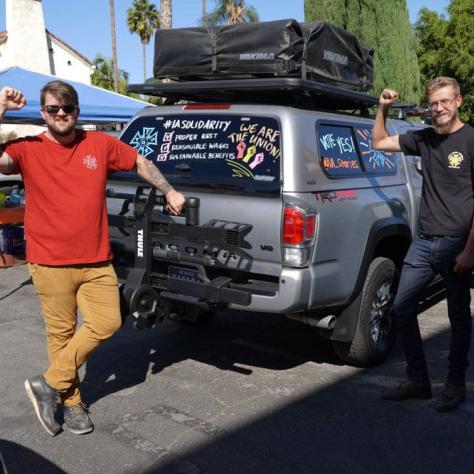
[[283, 48], [251, 49], [182, 53], [335, 55], [243, 50]]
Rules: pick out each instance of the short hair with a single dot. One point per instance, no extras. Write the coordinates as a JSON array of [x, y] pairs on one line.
[[61, 90], [439, 82]]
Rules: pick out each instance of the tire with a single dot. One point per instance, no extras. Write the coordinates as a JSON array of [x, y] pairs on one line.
[[374, 334]]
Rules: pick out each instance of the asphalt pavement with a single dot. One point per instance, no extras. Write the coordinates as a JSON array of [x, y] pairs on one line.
[[246, 393]]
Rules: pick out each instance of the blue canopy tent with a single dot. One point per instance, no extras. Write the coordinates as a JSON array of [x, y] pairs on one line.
[[97, 105]]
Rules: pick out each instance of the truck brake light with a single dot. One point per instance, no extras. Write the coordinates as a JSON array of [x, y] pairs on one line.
[[299, 229], [298, 226]]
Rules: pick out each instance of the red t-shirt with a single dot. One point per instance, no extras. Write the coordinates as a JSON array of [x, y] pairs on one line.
[[66, 214]]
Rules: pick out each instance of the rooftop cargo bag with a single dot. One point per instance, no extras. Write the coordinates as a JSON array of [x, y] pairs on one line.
[[335, 55], [272, 48], [243, 50], [283, 48], [184, 53]]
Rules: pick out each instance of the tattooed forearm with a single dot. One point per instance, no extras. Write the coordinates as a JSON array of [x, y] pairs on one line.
[[157, 179], [149, 172]]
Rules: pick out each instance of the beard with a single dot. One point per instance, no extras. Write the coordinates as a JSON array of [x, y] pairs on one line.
[[62, 132], [445, 123]]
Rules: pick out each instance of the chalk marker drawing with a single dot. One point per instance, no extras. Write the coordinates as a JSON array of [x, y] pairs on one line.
[[144, 140]]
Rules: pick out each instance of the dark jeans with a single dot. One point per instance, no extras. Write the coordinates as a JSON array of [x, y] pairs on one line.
[[428, 256]]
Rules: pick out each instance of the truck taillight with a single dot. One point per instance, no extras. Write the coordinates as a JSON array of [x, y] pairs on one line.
[[298, 226], [299, 229]]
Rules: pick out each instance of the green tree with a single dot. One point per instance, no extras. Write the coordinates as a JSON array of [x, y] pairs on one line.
[[143, 19], [332, 11], [460, 51], [431, 31], [383, 25], [446, 48], [230, 12], [103, 75]]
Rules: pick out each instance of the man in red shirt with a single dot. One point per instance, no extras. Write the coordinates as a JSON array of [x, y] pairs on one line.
[[65, 172]]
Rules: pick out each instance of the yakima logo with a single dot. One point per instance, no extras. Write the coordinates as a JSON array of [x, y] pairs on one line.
[[256, 56], [140, 243], [335, 57]]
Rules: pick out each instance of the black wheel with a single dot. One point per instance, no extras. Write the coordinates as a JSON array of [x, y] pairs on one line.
[[374, 334]]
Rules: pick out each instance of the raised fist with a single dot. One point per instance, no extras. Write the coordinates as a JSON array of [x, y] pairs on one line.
[[11, 99], [388, 97]]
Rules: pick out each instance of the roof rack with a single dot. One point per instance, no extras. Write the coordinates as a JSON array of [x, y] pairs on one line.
[[296, 92], [411, 110]]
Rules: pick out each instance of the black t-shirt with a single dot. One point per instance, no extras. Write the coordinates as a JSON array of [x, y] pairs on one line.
[[447, 200]]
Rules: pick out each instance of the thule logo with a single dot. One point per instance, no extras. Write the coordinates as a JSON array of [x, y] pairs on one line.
[[140, 243], [256, 56], [335, 57]]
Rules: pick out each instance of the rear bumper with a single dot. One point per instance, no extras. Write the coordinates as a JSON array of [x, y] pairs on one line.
[[290, 293], [293, 294]]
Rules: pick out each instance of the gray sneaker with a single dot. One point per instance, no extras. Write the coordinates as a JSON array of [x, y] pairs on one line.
[[45, 401], [77, 419], [407, 390], [451, 396]]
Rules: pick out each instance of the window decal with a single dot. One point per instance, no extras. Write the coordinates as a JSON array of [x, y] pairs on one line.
[[338, 151], [375, 161], [145, 140], [231, 150]]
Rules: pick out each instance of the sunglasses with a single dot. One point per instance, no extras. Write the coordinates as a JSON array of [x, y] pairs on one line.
[[54, 109]]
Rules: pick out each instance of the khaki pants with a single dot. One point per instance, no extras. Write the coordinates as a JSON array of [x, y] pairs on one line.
[[62, 290]]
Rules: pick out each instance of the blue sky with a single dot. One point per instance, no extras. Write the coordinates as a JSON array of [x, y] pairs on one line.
[[85, 24]]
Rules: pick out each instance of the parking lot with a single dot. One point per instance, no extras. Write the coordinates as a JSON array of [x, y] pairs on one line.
[[245, 394]]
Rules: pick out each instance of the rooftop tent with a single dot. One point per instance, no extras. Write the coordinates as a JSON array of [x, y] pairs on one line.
[[97, 105]]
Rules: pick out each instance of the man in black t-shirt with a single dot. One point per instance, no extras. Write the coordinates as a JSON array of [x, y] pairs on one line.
[[445, 237]]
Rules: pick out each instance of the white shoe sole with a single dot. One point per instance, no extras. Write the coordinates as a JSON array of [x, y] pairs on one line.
[[81, 432]]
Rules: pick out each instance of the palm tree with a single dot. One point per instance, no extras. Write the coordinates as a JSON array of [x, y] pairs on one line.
[[230, 12], [142, 19], [103, 75], [204, 13], [166, 14], [114, 45]]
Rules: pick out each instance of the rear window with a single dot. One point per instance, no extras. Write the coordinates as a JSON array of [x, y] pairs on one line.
[[224, 152]]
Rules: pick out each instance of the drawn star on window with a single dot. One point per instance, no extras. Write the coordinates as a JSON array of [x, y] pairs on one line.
[[144, 140], [376, 159]]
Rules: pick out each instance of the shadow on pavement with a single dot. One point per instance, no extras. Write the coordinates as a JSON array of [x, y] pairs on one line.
[[18, 459], [228, 342], [345, 428], [19, 287]]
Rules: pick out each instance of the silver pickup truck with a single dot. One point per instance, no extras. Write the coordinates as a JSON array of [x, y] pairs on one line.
[[289, 209]]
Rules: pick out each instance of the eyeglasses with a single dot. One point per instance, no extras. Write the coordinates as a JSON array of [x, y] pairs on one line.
[[444, 103], [54, 109]]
